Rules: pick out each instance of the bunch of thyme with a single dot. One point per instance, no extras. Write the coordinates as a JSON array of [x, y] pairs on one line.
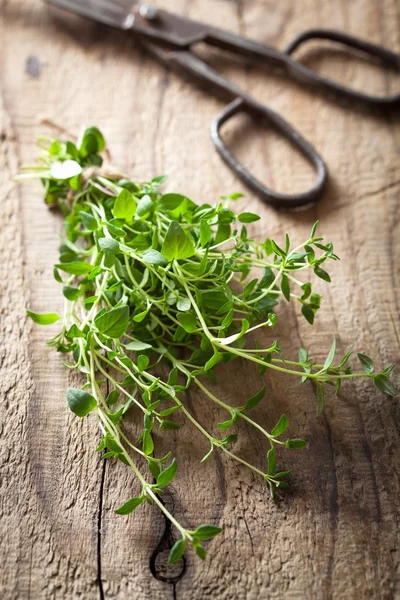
[[152, 278]]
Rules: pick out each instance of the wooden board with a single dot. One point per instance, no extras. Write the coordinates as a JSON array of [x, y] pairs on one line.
[[336, 534]]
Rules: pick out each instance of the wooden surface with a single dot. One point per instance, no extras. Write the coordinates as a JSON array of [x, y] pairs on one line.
[[336, 533]]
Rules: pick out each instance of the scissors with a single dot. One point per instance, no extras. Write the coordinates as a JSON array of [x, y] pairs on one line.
[[171, 38]]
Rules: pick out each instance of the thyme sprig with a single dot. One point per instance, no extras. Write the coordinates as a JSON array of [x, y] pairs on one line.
[[152, 279]]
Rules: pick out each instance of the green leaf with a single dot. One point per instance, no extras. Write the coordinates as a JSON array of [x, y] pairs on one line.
[[313, 230], [88, 220], [75, 267], [92, 142], [177, 551], [145, 206], [331, 356], [148, 444], [143, 362], [129, 506], [80, 402], [285, 287], [65, 170], [109, 245], [384, 384], [114, 322], [366, 362], [71, 293], [124, 206], [308, 313], [178, 244], [188, 321], [295, 444], [201, 552], [183, 304], [138, 345], [44, 318], [320, 398], [153, 257], [171, 425], [303, 355], [322, 274], [205, 232], [254, 400], [280, 427], [74, 332], [248, 217], [214, 360], [271, 457], [207, 532], [112, 397], [166, 476], [171, 201], [226, 424]]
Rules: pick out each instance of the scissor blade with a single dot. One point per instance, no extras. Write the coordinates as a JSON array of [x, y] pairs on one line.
[[116, 13]]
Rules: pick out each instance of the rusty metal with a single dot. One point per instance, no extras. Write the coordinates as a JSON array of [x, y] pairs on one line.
[[171, 38]]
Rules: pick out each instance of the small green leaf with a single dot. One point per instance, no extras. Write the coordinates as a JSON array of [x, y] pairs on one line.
[[177, 551], [92, 142], [143, 362], [124, 206], [75, 267], [295, 444], [148, 444], [75, 332], [285, 287], [114, 322], [65, 169], [129, 506], [183, 304], [207, 532], [320, 398], [138, 345], [178, 244], [205, 232], [44, 318], [71, 293], [80, 402], [188, 321], [108, 245], [308, 313], [144, 207], [254, 400], [322, 274], [313, 230], [331, 355], [303, 355], [248, 217], [112, 397], [384, 384], [201, 552], [280, 427], [88, 220], [214, 360], [366, 362], [166, 476], [271, 457], [153, 257]]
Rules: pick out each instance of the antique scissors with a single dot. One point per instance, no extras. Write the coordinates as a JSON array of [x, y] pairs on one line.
[[171, 38]]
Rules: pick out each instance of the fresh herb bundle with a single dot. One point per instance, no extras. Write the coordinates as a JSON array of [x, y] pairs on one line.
[[151, 279]]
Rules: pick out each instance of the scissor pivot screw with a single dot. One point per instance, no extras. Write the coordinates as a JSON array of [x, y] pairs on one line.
[[149, 12]]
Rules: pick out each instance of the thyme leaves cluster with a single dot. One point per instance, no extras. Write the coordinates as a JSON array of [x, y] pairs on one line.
[[154, 281]]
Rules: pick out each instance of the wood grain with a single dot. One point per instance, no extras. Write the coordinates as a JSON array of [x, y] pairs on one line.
[[336, 533]]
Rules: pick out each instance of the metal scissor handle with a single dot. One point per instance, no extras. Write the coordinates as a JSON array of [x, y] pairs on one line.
[[306, 75], [179, 35], [274, 198]]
